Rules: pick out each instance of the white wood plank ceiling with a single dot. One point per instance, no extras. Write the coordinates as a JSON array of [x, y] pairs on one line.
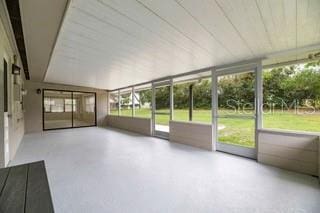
[[115, 43]]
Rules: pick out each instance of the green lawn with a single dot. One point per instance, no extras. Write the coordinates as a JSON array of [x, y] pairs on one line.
[[239, 131]]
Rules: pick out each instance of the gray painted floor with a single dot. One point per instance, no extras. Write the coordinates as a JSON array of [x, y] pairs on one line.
[[103, 170]]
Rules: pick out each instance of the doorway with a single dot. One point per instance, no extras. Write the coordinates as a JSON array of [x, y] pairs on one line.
[[235, 113], [162, 108]]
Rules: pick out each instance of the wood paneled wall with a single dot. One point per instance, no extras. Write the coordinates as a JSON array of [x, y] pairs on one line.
[[292, 151], [192, 134], [138, 125]]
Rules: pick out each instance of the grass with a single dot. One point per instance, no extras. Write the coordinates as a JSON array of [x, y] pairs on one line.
[[239, 131]]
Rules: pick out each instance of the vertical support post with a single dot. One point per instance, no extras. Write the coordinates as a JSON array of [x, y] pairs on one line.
[[259, 95], [108, 103], [153, 104], [95, 109], [133, 102], [214, 108], [259, 102], [119, 103], [190, 101], [43, 110], [171, 99], [72, 111]]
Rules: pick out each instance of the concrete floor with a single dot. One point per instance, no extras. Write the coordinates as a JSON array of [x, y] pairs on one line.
[[103, 170]]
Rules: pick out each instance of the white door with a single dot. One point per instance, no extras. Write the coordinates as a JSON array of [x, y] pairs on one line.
[[6, 139], [6, 115]]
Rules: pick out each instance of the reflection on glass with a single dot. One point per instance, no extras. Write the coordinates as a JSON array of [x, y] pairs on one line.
[[84, 109], [70, 105], [57, 113], [63, 109]]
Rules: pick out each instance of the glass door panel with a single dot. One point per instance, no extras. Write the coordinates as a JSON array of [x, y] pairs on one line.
[[237, 131], [56, 113], [236, 113], [68, 109], [236, 94], [162, 122], [162, 112], [83, 105]]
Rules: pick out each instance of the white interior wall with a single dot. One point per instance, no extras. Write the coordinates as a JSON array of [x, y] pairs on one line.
[[15, 112], [33, 103]]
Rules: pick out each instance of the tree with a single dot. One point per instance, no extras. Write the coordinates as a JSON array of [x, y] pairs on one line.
[[202, 94], [296, 83], [145, 96]]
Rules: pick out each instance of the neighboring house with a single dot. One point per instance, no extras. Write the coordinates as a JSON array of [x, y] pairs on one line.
[[126, 103]]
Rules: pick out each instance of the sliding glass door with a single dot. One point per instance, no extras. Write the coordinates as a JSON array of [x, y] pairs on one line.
[[57, 106], [84, 107], [68, 109]]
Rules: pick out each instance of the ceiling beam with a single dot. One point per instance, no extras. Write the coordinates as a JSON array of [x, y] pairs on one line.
[[15, 19]]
